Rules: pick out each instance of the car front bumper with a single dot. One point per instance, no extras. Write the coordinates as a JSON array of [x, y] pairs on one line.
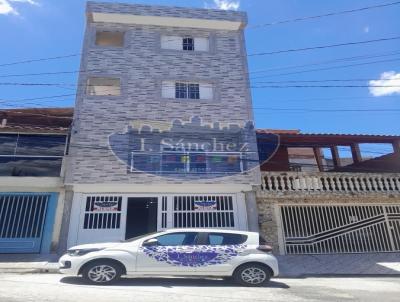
[[69, 265]]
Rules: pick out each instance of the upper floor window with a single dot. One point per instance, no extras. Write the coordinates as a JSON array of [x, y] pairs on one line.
[[188, 44], [187, 90], [185, 43], [31, 155], [110, 38], [103, 86]]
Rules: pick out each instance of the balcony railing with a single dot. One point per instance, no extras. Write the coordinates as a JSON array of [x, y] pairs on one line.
[[330, 182]]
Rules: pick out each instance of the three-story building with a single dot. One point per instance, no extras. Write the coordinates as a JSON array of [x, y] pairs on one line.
[[163, 131]]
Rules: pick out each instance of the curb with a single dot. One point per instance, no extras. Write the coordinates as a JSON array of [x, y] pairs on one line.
[[48, 268], [28, 271]]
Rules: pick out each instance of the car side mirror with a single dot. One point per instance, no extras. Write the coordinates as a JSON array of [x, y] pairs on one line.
[[150, 242]]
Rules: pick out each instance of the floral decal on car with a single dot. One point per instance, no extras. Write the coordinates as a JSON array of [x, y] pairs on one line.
[[194, 256]]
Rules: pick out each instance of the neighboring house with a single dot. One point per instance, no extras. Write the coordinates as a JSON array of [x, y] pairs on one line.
[[32, 146], [329, 193], [162, 134]]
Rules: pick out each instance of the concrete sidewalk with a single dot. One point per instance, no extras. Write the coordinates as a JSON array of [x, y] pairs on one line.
[[28, 263]]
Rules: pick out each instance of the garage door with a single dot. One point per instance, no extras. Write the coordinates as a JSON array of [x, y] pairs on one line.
[[22, 221], [321, 229]]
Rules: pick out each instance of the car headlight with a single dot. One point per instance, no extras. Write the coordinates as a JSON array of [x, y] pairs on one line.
[[81, 252]]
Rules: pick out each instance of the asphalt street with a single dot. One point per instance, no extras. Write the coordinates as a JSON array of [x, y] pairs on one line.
[[55, 287]]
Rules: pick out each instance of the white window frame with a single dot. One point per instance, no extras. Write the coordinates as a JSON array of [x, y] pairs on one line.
[[168, 90], [171, 42]]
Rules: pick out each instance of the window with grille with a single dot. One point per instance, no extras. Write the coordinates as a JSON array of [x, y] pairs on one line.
[[194, 91], [187, 91], [188, 44], [185, 43], [181, 90], [197, 211], [103, 212]]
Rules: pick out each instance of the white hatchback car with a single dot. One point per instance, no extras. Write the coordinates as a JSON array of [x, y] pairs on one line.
[[178, 252]]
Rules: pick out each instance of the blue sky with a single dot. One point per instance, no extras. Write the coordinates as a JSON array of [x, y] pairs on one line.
[[47, 28]]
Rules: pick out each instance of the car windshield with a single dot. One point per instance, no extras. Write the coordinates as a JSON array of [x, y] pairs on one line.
[[139, 237]]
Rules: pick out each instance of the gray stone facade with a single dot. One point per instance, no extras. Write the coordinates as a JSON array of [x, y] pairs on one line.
[[142, 65]]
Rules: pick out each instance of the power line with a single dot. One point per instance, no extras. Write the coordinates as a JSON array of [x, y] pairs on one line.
[[360, 57], [323, 46], [325, 68], [254, 27], [41, 73], [331, 110], [250, 55], [173, 86], [290, 110], [12, 103], [311, 81], [327, 86], [40, 60], [337, 60], [324, 15]]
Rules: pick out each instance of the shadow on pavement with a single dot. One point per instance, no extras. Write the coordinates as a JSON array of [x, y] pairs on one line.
[[171, 282]]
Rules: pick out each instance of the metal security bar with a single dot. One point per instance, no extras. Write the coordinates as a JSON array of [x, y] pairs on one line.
[[203, 211], [321, 229], [22, 216], [164, 207], [393, 217], [102, 212]]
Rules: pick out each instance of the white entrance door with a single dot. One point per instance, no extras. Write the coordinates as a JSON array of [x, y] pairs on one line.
[[102, 218]]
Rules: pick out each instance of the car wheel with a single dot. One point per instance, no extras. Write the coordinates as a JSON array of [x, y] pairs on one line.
[[102, 272], [252, 274]]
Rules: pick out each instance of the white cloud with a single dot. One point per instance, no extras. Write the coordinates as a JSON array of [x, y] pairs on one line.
[[366, 29], [389, 83], [224, 4], [7, 7]]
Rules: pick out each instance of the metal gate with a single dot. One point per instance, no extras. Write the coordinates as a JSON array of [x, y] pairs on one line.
[[102, 218], [22, 219], [197, 211], [321, 229]]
